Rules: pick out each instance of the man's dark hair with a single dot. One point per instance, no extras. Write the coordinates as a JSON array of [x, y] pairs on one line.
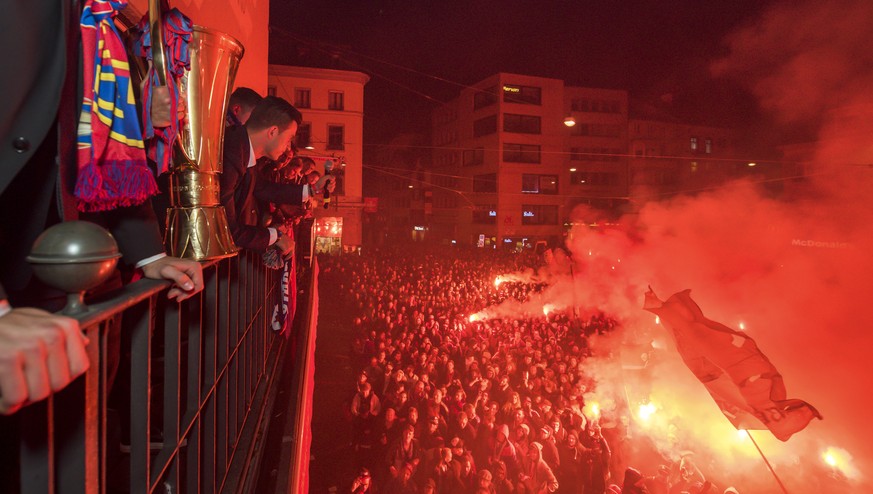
[[273, 111], [244, 96]]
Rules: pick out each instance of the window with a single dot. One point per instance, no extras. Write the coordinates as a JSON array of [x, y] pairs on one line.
[[301, 98], [539, 184], [521, 153], [593, 178], [271, 90], [485, 126], [522, 124], [485, 214], [485, 97], [708, 146], [304, 135], [335, 137], [526, 95], [335, 100], [694, 144], [485, 183], [596, 105], [539, 214], [598, 154], [598, 130], [474, 156]]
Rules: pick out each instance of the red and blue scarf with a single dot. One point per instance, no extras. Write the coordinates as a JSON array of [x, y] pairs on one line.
[[178, 31], [112, 167]]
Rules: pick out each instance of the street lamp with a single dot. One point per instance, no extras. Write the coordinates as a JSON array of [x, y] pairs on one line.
[[569, 121]]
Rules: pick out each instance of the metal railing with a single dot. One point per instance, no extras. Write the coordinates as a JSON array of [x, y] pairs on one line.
[[188, 405]]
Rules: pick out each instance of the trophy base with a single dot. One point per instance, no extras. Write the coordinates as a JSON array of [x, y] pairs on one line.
[[199, 233]]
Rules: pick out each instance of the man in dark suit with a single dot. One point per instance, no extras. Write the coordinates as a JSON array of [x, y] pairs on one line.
[[41, 352], [267, 133]]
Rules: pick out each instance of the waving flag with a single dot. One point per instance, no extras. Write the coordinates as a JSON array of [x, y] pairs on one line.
[[744, 384]]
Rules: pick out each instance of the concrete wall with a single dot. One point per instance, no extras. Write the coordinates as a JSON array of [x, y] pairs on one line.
[[246, 20]]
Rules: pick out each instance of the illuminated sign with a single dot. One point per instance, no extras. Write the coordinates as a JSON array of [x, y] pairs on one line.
[[510, 89], [529, 214], [492, 213], [418, 228], [507, 240]]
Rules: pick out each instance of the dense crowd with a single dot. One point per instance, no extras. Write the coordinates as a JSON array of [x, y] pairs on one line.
[[446, 404]]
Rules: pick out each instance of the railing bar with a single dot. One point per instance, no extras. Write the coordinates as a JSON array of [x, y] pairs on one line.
[[193, 404], [140, 394], [172, 384], [36, 447]]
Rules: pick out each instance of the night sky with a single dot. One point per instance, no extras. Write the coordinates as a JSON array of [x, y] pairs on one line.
[[648, 48]]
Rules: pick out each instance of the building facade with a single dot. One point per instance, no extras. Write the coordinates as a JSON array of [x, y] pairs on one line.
[[520, 159], [668, 158], [332, 103], [508, 171]]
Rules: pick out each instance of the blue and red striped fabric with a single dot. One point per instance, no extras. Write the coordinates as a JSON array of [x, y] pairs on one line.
[[112, 167], [178, 31]]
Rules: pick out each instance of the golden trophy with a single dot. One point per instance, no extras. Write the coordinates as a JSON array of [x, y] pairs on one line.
[[197, 226]]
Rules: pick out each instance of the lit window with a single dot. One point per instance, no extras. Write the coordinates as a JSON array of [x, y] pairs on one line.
[[694, 144], [708, 146]]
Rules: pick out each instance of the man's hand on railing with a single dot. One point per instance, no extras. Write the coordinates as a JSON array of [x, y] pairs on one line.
[[40, 353], [186, 275]]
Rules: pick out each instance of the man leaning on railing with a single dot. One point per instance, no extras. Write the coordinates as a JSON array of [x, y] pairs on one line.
[[41, 352]]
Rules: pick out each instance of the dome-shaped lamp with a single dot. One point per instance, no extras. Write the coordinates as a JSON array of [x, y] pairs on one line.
[[569, 121]]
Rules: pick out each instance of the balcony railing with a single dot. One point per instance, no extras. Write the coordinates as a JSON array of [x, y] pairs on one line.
[[178, 396]]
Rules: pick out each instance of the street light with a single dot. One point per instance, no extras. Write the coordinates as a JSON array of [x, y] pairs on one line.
[[569, 121]]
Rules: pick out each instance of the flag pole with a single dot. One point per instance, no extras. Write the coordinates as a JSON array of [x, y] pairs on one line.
[[766, 462]]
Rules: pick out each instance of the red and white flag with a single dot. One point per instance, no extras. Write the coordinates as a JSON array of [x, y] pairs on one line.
[[744, 384]]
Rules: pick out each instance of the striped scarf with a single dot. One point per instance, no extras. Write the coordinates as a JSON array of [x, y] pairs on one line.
[[177, 34], [112, 167]]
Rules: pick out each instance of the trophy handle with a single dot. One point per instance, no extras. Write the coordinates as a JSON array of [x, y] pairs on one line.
[[156, 28]]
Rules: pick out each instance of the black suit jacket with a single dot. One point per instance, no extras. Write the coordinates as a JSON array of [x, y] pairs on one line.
[[39, 109], [242, 189]]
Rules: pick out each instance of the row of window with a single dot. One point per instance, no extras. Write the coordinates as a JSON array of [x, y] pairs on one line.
[[335, 136], [530, 124], [303, 98], [594, 178], [531, 214], [707, 145], [595, 154], [532, 153], [597, 130], [596, 105], [512, 93], [521, 124]]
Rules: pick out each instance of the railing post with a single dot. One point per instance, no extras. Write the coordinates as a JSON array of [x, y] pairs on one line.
[[141, 322]]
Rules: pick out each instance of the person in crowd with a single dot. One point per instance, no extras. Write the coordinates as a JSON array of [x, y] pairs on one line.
[[598, 455], [242, 101], [483, 483], [365, 408], [572, 458], [634, 482], [549, 447], [404, 451], [659, 483], [363, 483], [536, 476], [403, 483], [503, 450]]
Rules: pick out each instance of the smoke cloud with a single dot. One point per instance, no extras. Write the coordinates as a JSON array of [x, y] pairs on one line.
[[796, 275]]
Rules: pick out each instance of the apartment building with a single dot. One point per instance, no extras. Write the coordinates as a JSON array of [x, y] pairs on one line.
[[508, 170]]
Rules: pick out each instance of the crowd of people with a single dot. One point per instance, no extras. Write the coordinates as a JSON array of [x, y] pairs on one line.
[[446, 404]]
